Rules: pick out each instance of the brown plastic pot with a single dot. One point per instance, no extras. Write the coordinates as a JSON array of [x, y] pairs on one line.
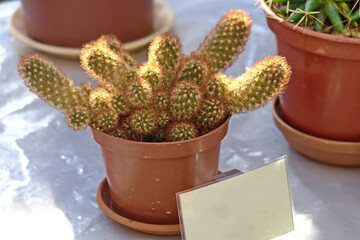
[[72, 23], [323, 96], [145, 177], [336, 153]]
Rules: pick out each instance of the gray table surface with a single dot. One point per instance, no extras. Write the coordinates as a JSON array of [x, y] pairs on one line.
[[49, 174]]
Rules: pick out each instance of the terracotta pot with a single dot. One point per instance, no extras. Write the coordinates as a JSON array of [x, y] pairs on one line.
[[323, 96], [72, 23], [337, 153], [144, 177]]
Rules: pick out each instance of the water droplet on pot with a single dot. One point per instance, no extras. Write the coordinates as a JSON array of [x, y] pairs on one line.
[[168, 212]]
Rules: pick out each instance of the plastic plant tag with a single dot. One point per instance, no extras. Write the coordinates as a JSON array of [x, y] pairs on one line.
[[252, 205]]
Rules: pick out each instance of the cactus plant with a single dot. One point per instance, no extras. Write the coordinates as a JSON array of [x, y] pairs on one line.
[[337, 17], [172, 97]]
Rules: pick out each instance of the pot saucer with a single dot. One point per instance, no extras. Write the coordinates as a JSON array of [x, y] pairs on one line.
[[338, 153], [163, 22], [105, 202]]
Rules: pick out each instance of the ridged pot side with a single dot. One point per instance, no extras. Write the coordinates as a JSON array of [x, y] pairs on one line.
[[144, 177], [323, 96], [72, 23]]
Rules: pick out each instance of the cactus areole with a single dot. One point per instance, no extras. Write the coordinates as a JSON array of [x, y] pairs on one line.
[[171, 101]]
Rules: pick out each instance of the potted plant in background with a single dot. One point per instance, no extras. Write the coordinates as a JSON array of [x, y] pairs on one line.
[[72, 23], [160, 124], [320, 108]]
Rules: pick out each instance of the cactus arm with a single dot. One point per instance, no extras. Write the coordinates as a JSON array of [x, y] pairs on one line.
[[212, 113], [161, 100], [180, 131], [99, 98], [105, 66], [125, 124], [120, 133], [143, 121], [163, 119], [47, 81], [165, 50], [84, 94], [117, 101], [258, 85], [332, 12], [151, 72], [217, 85], [195, 69], [115, 45], [185, 100], [139, 93], [106, 120], [78, 118], [226, 41], [320, 19], [106, 108]]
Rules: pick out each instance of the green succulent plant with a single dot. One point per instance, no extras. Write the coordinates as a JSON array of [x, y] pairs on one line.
[[172, 97], [338, 17]]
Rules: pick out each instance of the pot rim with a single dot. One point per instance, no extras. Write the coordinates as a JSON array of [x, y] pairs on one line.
[[162, 143], [271, 15], [162, 150]]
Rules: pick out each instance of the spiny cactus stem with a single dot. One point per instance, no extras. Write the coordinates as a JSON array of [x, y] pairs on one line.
[[185, 100], [139, 93], [259, 84], [143, 121], [180, 131], [226, 41], [51, 84], [105, 66], [99, 99]]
